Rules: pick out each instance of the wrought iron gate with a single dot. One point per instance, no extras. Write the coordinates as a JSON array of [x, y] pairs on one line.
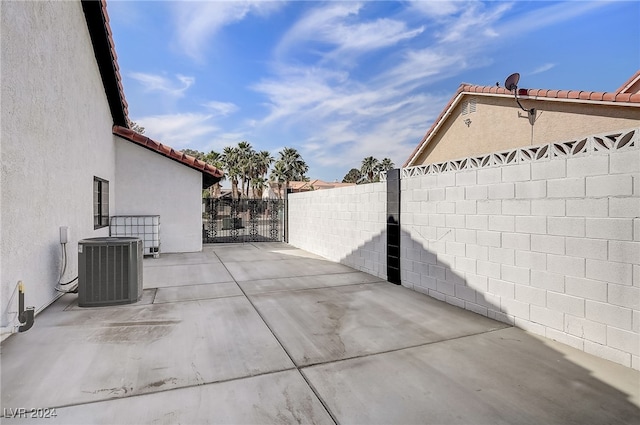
[[242, 220]]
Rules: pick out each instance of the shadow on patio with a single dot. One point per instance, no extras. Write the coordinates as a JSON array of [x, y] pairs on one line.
[[267, 333]]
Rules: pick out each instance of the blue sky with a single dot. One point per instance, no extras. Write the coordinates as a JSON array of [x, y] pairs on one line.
[[340, 81]]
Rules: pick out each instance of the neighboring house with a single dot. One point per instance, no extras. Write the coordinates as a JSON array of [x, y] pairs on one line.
[[68, 157], [300, 186], [317, 184], [484, 119]]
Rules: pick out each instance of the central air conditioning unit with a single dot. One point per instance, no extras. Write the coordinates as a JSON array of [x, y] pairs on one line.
[[109, 271]]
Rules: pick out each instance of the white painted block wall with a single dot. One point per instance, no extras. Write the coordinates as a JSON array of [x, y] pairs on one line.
[[346, 225], [552, 247]]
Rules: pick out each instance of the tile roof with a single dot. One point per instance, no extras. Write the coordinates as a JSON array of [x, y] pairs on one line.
[[104, 49], [632, 85], [210, 174], [627, 95]]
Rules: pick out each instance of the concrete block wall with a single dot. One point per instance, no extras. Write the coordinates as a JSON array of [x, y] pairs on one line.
[[550, 245], [346, 225]]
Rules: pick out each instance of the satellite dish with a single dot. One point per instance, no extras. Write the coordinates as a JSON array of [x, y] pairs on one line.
[[511, 84], [512, 81]]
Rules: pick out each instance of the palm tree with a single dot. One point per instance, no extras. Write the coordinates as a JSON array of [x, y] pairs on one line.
[[369, 167], [386, 164], [257, 184], [263, 162], [230, 159], [294, 166], [216, 159], [279, 176], [245, 159]]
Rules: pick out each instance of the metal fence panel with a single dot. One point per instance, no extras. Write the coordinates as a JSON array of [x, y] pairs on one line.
[[242, 220]]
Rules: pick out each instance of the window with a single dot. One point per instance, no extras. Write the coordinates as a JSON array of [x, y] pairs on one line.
[[100, 203]]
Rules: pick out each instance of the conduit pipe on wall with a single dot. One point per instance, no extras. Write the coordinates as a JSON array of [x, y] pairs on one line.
[[26, 317]]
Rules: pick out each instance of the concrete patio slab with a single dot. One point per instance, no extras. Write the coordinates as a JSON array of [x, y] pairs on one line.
[[185, 274], [327, 324], [80, 356], [196, 349], [276, 398], [197, 292], [307, 282], [203, 257], [500, 377], [291, 267], [272, 253]]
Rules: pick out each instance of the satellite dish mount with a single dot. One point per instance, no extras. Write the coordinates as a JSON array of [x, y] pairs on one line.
[[511, 84]]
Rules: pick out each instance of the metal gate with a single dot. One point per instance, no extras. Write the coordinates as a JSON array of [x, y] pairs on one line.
[[242, 220]]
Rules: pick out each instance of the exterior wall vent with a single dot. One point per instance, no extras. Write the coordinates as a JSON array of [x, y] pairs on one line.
[[109, 271], [469, 106]]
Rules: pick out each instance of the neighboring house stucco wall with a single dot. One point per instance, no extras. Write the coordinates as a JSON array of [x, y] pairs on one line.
[[56, 136], [150, 184], [499, 124]]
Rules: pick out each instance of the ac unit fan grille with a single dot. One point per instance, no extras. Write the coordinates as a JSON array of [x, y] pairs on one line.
[[110, 271]]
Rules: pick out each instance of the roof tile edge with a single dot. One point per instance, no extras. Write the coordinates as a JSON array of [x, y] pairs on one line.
[[215, 175]]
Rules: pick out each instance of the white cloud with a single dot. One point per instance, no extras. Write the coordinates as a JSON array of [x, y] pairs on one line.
[[298, 89], [475, 21], [342, 120], [160, 83], [436, 9], [341, 117], [197, 131], [553, 14], [339, 143], [421, 67], [338, 26], [544, 68], [186, 130], [221, 108], [197, 22]]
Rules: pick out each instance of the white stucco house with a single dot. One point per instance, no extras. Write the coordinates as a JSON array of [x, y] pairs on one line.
[[68, 157]]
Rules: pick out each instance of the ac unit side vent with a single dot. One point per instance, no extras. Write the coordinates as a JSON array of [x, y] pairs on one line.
[[109, 271]]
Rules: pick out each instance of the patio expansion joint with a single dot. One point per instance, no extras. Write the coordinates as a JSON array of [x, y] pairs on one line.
[[304, 275], [201, 384], [204, 262], [296, 367], [197, 299], [393, 350], [275, 291], [308, 275], [155, 294], [192, 284]]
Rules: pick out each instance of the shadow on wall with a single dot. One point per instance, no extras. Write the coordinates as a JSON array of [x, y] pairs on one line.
[[370, 257], [428, 273]]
